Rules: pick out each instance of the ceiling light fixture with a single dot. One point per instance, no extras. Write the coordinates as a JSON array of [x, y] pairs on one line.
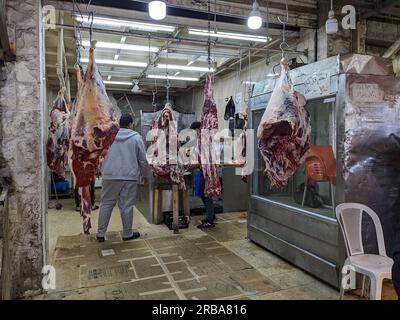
[[229, 35], [254, 20], [117, 62], [157, 9], [331, 25], [125, 23], [120, 83], [186, 68], [136, 88], [156, 76], [122, 46]]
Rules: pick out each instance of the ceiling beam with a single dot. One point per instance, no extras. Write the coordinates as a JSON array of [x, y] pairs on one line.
[[227, 12], [380, 6], [393, 50]]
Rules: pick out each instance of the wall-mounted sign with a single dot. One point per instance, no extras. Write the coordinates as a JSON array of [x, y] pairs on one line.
[[366, 92]]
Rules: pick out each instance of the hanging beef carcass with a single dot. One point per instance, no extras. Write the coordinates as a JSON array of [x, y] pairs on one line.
[[243, 148], [93, 131], [284, 131], [163, 158], [208, 127], [59, 134]]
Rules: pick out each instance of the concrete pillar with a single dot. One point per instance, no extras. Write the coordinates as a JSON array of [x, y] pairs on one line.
[[22, 158]]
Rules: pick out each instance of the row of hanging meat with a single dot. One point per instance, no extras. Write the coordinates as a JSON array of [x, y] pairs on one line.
[[284, 137], [81, 134]]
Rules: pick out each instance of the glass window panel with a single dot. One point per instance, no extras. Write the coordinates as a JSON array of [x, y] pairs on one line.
[[322, 133]]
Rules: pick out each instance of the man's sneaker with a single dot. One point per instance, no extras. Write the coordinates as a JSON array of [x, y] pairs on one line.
[[134, 236], [95, 208], [100, 239], [78, 209], [205, 220], [206, 225]]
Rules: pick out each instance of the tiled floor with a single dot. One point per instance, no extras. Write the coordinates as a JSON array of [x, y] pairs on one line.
[[217, 264]]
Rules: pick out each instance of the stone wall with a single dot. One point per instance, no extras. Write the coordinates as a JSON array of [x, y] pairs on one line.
[[22, 158]]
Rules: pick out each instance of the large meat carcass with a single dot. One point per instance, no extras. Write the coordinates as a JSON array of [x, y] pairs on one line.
[[208, 127], [243, 148], [93, 131], [163, 156], [59, 134], [284, 131]]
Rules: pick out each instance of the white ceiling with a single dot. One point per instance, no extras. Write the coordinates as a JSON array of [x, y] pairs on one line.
[[174, 47]]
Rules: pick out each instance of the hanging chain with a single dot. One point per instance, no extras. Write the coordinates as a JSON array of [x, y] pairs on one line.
[[154, 92], [284, 22], [240, 69], [77, 31], [149, 50], [167, 74], [249, 91], [267, 58], [209, 35], [90, 18]]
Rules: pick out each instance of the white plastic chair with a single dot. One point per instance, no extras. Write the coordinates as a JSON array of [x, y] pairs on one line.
[[376, 267]]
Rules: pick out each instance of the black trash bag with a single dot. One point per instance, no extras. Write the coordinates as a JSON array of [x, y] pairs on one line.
[[313, 199], [230, 109]]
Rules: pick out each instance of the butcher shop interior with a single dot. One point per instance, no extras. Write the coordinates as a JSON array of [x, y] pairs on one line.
[[200, 150]]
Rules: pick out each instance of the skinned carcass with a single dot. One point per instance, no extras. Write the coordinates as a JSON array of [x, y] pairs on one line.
[[93, 131], [208, 127], [59, 134], [284, 131], [243, 148], [163, 156]]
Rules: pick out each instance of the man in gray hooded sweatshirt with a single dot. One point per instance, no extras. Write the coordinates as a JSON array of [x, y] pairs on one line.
[[121, 168]]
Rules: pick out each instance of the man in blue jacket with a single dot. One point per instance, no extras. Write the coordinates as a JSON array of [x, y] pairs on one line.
[[121, 168]]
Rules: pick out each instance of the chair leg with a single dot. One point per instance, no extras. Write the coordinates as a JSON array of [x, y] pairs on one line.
[[342, 289], [363, 287], [375, 288], [341, 293], [332, 196]]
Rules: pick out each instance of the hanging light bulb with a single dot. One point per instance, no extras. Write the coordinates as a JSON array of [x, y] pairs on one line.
[[254, 20], [157, 9], [331, 25]]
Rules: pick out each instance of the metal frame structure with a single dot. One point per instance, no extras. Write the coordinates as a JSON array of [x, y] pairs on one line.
[[311, 241]]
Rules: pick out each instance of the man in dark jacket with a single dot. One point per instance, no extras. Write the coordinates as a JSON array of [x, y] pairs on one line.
[[121, 168]]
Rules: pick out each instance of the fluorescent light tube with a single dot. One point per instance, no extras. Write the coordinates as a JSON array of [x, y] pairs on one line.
[[125, 23], [181, 67], [155, 76], [121, 83], [122, 46], [228, 35], [117, 62]]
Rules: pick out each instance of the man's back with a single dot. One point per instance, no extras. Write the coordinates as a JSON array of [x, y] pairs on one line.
[[126, 158]]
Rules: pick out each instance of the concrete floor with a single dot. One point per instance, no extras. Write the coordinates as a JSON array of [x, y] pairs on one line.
[[219, 263]]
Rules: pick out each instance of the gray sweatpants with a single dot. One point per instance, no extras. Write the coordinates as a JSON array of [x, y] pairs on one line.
[[123, 192]]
